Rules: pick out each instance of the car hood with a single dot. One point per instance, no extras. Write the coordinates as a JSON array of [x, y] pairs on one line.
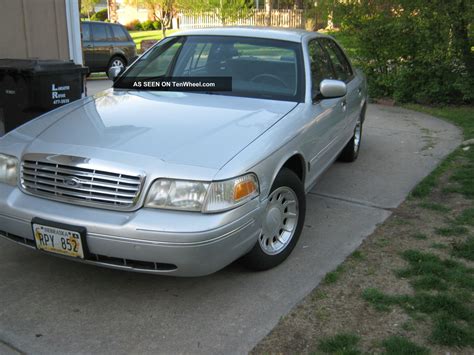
[[179, 128]]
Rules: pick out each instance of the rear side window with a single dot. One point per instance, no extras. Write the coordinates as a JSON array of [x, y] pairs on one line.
[[321, 67], [99, 32], [340, 62], [86, 32], [119, 34]]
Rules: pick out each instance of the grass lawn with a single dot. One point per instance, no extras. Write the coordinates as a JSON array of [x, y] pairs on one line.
[[139, 36], [409, 288]]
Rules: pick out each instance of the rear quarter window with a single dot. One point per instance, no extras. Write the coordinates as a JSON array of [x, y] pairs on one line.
[[119, 34]]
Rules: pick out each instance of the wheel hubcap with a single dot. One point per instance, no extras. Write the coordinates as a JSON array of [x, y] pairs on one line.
[[117, 63], [280, 221], [357, 136]]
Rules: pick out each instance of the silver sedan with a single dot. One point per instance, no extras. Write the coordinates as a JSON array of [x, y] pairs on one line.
[[185, 182]]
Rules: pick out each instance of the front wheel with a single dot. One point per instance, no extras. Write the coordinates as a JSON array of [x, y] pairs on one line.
[[116, 62], [282, 223]]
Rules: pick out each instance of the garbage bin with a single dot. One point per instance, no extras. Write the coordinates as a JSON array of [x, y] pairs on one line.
[[31, 87]]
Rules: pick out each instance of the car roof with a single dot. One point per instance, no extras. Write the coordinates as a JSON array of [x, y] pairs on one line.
[[102, 22], [284, 34]]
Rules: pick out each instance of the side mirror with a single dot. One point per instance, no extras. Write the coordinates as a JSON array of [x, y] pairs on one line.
[[332, 88], [114, 72]]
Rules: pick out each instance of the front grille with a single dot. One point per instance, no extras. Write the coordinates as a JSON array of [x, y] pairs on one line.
[[15, 238], [134, 264], [85, 186], [102, 259]]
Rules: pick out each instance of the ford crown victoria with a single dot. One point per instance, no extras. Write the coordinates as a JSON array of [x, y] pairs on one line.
[[184, 183]]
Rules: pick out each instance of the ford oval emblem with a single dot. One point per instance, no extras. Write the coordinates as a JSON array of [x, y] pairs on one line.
[[71, 181]]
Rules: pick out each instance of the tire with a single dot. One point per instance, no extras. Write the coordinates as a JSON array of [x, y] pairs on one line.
[[116, 62], [269, 251], [351, 150]]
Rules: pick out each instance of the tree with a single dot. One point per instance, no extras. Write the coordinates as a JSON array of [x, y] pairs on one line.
[[414, 50], [88, 7], [162, 10], [228, 11]]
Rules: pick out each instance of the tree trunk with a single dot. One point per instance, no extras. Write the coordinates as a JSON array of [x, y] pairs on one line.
[[461, 37], [112, 6], [268, 12]]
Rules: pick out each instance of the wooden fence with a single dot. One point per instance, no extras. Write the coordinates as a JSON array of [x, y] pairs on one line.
[[279, 18]]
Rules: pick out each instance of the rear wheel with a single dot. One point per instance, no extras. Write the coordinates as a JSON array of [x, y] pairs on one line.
[[282, 223], [351, 150]]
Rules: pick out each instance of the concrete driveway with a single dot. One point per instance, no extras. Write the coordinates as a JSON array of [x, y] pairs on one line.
[[51, 305]]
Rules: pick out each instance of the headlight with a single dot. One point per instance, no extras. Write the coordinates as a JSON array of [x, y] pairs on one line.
[[177, 195], [202, 196], [8, 170]]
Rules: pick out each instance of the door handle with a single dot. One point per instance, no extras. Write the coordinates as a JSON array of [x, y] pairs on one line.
[[344, 105], [89, 46], [359, 91]]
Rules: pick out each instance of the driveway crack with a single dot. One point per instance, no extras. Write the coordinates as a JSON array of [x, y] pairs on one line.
[[10, 347], [352, 201]]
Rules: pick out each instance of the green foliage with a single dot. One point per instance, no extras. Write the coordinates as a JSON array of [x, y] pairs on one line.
[[450, 333], [334, 276], [434, 206], [134, 25], [100, 15], [148, 25], [396, 345], [426, 270], [341, 344], [162, 10], [452, 231], [464, 249], [378, 299], [424, 188], [87, 7], [419, 236], [156, 25], [460, 163], [228, 11], [357, 255], [466, 217], [413, 50]]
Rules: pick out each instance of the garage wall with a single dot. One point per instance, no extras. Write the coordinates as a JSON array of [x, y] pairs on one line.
[[33, 29]]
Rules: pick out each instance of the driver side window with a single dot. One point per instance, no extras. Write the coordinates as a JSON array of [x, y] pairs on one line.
[[321, 67]]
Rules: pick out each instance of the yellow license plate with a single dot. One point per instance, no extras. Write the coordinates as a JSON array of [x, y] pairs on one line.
[[58, 240]]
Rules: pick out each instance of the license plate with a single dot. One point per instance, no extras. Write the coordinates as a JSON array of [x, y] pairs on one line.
[[62, 241]]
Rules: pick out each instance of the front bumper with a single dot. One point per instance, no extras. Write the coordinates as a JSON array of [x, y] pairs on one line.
[[148, 240]]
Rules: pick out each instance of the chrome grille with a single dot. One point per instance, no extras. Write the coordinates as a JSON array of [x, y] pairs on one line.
[[80, 185]]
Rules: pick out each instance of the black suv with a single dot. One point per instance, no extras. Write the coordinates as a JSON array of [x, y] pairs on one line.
[[106, 45]]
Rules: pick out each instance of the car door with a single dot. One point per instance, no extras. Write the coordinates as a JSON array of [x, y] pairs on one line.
[[87, 46], [102, 45], [327, 114], [344, 72]]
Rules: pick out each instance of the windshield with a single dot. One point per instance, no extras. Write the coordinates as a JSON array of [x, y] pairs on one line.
[[260, 68]]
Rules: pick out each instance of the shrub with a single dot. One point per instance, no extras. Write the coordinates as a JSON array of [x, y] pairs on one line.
[[156, 25], [134, 25], [413, 50], [100, 15], [147, 25]]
